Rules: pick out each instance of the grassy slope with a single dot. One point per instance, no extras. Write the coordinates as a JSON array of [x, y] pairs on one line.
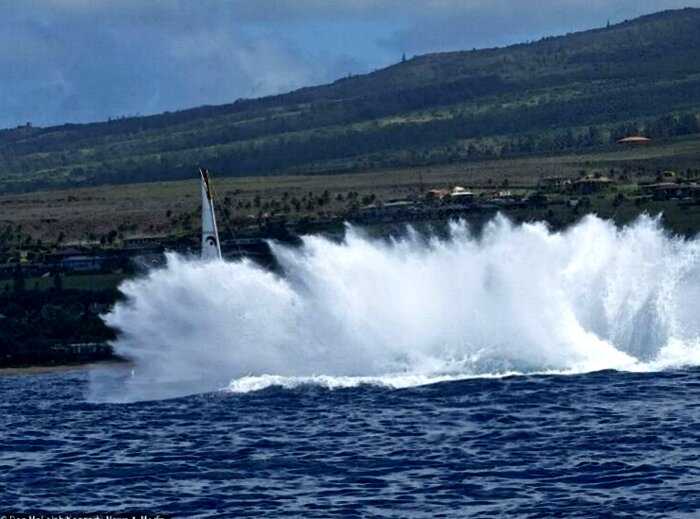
[[173, 207], [426, 111]]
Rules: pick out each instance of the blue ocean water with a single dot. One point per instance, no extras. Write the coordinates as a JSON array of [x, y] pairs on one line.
[[514, 372], [604, 444]]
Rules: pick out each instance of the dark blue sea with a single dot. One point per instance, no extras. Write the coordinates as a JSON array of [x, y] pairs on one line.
[[606, 444], [517, 372]]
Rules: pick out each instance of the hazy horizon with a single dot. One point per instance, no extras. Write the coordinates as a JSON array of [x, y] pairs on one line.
[[77, 61]]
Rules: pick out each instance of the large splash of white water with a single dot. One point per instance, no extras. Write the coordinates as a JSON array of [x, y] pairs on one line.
[[515, 299]]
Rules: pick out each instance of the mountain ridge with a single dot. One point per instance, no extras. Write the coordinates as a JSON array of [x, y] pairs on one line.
[[239, 103], [644, 69]]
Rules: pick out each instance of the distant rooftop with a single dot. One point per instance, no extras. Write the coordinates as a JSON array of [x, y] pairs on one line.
[[635, 139]]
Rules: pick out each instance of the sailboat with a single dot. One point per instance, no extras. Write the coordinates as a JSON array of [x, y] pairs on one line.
[[211, 246]]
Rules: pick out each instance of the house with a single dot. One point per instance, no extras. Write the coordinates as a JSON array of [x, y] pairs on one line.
[[667, 176], [389, 209], [143, 242], [553, 183], [670, 190], [56, 259], [437, 194], [461, 196], [634, 139], [504, 198], [389, 205], [83, 263], [588, 185], [536, 199]]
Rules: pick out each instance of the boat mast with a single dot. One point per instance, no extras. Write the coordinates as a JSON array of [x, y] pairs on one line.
[[211, 246]]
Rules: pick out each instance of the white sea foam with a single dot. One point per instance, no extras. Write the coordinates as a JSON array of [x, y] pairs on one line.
[[517, 299]]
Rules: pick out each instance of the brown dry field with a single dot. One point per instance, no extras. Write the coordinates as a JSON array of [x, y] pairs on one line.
[[142, 209]]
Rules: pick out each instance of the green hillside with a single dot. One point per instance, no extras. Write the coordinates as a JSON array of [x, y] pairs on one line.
[[569, 93]]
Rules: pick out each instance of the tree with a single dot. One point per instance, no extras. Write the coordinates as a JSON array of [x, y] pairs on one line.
[[57, 281], [18, 281]]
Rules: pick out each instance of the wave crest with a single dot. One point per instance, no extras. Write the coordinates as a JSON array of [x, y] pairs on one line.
[[410, 311]]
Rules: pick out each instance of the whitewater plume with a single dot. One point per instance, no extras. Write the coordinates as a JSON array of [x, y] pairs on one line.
[[415, 310]]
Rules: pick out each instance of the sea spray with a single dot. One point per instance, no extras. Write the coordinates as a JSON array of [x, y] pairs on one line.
[[414, 310]]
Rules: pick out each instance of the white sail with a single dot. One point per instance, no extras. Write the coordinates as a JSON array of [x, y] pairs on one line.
[[211, 247]]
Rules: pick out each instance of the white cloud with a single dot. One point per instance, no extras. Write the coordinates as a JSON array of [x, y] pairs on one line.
[[83, 60]]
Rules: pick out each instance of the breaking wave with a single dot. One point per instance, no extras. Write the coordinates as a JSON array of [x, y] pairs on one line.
[[413, 311]]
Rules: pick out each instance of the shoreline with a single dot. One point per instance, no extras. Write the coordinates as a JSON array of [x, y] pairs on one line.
[[60, 368]]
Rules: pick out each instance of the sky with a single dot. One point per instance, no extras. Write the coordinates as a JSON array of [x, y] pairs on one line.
[[90, 60]]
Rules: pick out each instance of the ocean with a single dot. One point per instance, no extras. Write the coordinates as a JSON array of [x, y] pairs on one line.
[[510, 372], [603, 444]]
